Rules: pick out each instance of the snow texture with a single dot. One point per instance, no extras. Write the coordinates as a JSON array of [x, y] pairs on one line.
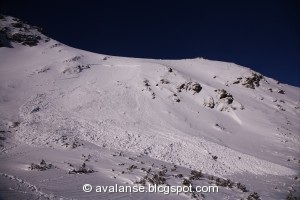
[[117, 117]]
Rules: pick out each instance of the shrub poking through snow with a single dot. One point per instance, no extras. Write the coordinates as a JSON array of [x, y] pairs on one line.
[[146, 82], [40, 167], [178, 176], [68, 142], [132, 167], [173, 169], [142, 181], [82, 170], [236, 82], [75, 69], [241, 187], [196, 175], [291, 195], [214, 157], [253, 196], [82, 67], [162, 172], [86, 158], [75, 58], [164, 81], [153, 95], [186, 182], [36, 109], [156, 179], [224, 183], [44, 69]]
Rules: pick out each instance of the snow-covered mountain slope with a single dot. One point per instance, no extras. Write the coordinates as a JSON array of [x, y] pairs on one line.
[[123, 116]]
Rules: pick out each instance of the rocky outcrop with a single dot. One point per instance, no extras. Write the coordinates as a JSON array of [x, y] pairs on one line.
[[24, 39], [223, 94], [251, 82], [190, 86], [14, 30]]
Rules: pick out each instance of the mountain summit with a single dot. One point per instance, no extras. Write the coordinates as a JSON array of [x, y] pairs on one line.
[[69, 117]]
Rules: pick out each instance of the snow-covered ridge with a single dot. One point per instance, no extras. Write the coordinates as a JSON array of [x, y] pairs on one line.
[[58, 102]]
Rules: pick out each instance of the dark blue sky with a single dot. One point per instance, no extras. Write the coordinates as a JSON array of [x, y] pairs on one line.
[[263, 35]]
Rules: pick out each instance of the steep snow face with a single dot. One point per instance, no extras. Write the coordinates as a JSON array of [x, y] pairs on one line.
[[223, 119]]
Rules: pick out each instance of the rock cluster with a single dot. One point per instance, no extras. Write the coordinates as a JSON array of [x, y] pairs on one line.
[[40, 167], [190, 86], [20, 32], [251, 81], [223, 94]]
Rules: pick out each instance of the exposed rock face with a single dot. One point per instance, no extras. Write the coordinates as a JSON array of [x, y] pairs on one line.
[[190, 86], [251, 81], [30, 40], [14, 30], [223, 94]]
